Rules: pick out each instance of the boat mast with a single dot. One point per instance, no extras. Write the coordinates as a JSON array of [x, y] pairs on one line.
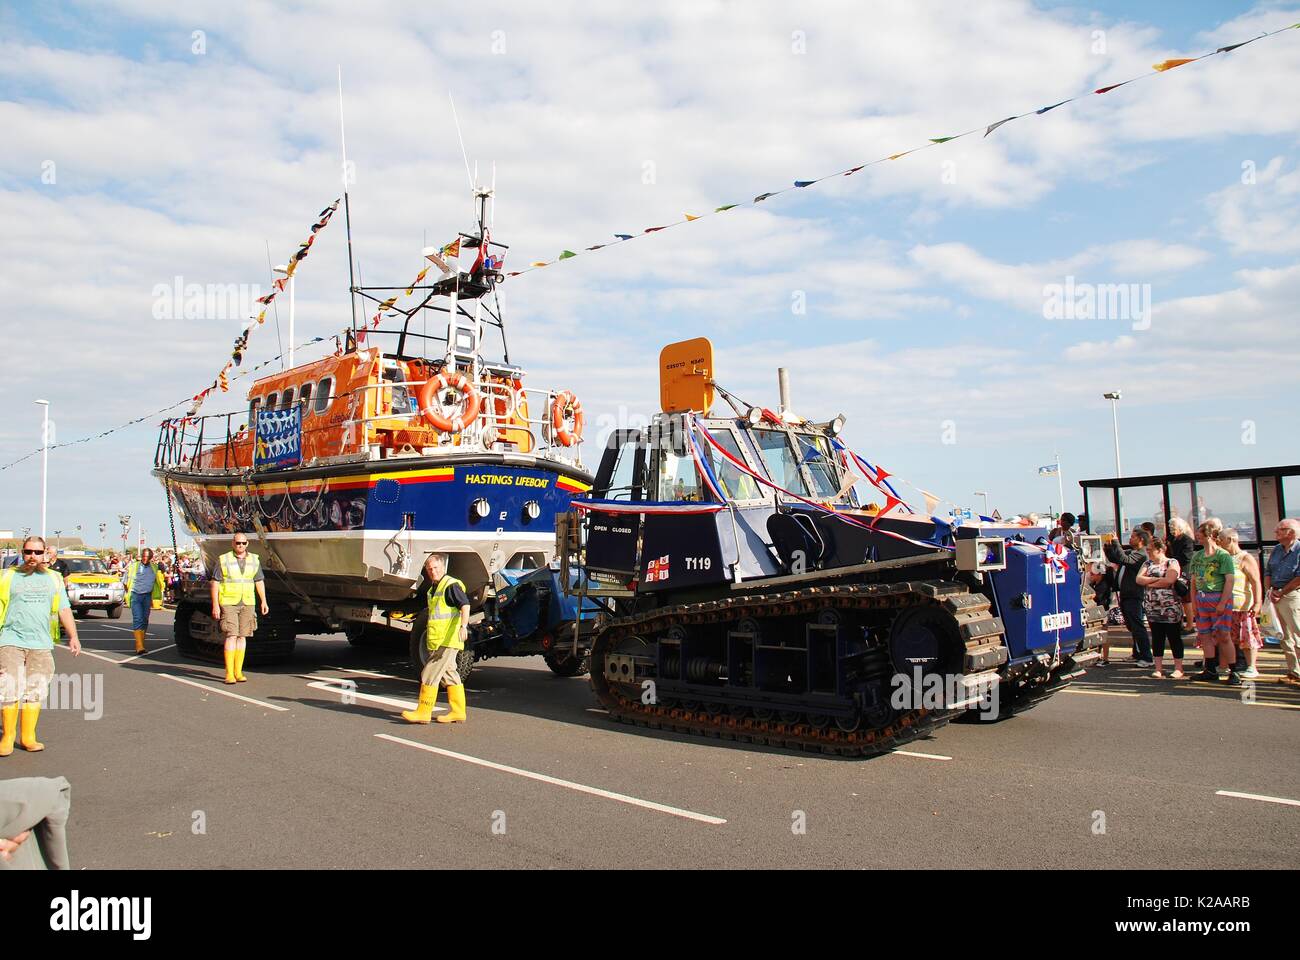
[[347, 209]]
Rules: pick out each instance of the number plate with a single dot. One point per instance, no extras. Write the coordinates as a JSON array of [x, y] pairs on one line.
[[1057, 621]]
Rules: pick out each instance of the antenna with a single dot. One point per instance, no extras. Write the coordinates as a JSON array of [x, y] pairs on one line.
[[276, 306], [461, 138], [347, 209]]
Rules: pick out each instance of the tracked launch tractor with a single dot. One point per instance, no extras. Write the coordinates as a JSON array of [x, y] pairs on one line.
[[750, 593]]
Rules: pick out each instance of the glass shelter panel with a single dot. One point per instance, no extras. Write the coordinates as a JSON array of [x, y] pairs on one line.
[[1101, 510], [1232, 501], [1142, 504]]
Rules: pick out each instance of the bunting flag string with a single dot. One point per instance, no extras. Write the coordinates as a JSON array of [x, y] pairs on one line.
[[985, 129], [222, 380], [149, 416]]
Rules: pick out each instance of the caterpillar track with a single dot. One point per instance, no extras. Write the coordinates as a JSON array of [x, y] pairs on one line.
[[626, 653]]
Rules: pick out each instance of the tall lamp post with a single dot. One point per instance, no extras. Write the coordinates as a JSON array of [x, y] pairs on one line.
[[125, 520], [1114, 396], [283, 270], [981, 493], [103, 528], [45, 460]]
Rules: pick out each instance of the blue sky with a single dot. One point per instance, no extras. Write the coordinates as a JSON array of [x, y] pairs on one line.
[[924, 279]]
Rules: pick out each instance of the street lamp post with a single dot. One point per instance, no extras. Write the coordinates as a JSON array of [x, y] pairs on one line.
[[283, 270], [1114, 396], [125, 520], [981, 493], [45, 460], [103, 528]]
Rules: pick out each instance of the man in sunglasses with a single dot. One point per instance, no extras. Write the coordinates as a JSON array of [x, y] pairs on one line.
[[237, 584], [33, 606]]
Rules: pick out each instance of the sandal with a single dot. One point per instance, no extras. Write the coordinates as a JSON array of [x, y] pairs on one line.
[[1158, 675], [1178, 675]]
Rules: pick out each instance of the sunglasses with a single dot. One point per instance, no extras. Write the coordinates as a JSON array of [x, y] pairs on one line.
[[241, 543], [33, 553]]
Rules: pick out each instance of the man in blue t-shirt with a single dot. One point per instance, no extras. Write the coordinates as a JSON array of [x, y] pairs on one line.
[[33, 605]]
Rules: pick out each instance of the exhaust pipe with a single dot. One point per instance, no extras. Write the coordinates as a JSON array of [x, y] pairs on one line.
[[783, 385]]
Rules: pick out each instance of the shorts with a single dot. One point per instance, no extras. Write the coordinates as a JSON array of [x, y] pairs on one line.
[[1209, 620], [25, 674], [1245, 630], [238, 620]]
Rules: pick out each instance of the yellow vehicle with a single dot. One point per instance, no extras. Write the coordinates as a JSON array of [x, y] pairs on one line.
[[90, 584]]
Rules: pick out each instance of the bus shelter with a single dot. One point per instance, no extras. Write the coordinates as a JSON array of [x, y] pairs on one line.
[[1249, 500]]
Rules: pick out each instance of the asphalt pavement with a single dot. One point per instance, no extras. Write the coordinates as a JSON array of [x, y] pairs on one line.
[[307, 765]]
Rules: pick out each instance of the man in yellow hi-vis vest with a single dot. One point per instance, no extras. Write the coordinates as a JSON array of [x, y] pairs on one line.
[[237, 583], [33, 603], [446, 634]]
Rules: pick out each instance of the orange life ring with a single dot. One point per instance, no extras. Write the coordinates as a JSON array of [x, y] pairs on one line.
[[424, 397], [563, 400]]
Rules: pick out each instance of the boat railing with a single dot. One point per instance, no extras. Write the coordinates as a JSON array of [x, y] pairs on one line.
[[509, 418]]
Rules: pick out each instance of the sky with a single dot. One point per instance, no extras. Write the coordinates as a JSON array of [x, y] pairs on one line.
[[924, 298]]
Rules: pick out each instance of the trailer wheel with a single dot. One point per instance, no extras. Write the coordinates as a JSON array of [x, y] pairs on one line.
[[419, 649], [566, 664]]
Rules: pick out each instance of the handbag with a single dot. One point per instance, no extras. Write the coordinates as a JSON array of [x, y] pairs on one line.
[[1183, 587]]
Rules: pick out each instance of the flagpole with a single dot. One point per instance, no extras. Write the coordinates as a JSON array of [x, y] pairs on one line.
[[1060, 483]]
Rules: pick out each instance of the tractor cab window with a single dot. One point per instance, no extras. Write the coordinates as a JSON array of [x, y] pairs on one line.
[[780, 459], [736, 484], [815, 454], [678, 478]]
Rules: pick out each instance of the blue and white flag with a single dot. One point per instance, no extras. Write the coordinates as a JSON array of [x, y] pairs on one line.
[[278, 438], [1048, 471]]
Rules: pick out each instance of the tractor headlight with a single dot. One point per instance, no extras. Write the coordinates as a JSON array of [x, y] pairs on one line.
[[981, 553]]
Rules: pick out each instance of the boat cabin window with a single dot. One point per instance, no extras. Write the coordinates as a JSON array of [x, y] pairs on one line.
[[323, 397], [401, 396], [252, 410], [779, 458], [271, 398], [287, 402], [304, 397]]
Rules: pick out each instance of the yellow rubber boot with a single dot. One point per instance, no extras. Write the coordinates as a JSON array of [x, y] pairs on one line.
[[455, 700], [239, 665], [139, 641], [230, 666], [30, 712], [9, 715], [424, 711]]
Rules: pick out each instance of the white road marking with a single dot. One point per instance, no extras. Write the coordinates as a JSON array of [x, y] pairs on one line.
[[1101, 693], [208, 688], [1256, 796], [597, 710], [1274, 703], [371, 673], [332, 686], [555, 781], [927, 756], [89, 653], [147, 653], [110, 626]]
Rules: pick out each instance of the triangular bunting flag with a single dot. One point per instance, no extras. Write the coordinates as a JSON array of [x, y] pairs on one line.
[[849, 173], [804, 183], [1041, 110], [761, 197], [725, 206], [623, 236], [1113, 86], [538, 263], [689, 218], [994, 126], [565, 255], [941, 139], [653, 229], [1164, 65]]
